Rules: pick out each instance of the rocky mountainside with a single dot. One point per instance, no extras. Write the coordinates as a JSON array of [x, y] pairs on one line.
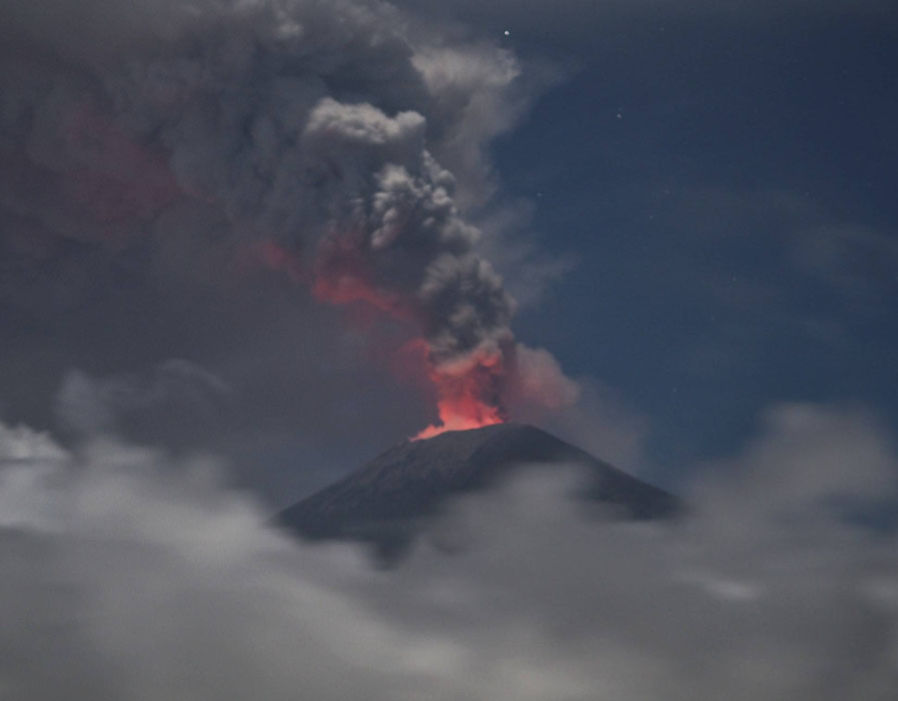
[[387, 501]]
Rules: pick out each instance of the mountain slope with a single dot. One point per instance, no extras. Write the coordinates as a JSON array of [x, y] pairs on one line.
[[388, 500]]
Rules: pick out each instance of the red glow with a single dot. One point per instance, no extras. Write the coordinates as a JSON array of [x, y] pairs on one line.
[[468, 391], [468, 396], [343, 276], [461, 416], [345, 289]]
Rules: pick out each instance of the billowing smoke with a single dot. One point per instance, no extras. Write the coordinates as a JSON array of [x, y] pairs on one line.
[[130, 575], [302, 134]]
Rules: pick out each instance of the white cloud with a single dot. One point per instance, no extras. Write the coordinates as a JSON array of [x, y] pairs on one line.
[[124, 578]]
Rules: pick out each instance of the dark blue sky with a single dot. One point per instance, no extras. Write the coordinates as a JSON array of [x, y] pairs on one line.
[[728, 191]]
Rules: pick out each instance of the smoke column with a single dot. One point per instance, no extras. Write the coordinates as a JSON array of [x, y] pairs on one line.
[[310, 131]]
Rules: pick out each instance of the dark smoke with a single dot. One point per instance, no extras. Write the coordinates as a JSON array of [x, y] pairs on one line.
[[219, 129]]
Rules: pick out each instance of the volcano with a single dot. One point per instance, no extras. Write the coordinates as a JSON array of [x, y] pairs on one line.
[[388, 501]]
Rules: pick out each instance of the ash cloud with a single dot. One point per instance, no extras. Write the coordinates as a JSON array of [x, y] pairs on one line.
[[166, 160], [128, 574]]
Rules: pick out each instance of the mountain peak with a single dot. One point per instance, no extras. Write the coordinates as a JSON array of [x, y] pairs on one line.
[[387, 499]]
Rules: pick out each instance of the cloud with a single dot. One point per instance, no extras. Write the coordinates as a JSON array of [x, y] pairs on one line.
[[603, 423], [512, 246], [810, 455], [485, 90], [178, 392], [128, 576], [851, 257], [856, 261]]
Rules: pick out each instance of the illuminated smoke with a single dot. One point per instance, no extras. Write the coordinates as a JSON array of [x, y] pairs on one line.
[[404, 249], [469, 395], [310, 134]]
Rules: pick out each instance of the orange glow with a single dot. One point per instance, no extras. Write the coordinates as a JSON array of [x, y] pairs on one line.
[[468, 396], [468, 390], [463, 416]]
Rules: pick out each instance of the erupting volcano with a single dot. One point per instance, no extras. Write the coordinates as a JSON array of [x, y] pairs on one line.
[[467, 355], [392, 499], [376, 224], [252, 142], [469, 398], [461, 412], [468, 383]]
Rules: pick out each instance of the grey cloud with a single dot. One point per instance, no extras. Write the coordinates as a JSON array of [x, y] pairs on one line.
[[511, 245], [857, 261], [20, 443], [810, 460], [853, 259], [824, 284], [178, 392], [481, 91], [597, 418], [126, 579]]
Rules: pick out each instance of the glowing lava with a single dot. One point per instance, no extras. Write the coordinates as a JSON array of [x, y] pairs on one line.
[[461, 417], [468, 396]]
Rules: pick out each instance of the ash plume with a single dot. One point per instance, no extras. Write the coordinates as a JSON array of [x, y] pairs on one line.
[[311, 131]]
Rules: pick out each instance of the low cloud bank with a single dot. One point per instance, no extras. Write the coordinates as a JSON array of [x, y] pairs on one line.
[[126, 576]]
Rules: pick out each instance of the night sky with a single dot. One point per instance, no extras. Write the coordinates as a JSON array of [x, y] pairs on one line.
[[727, 188]]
